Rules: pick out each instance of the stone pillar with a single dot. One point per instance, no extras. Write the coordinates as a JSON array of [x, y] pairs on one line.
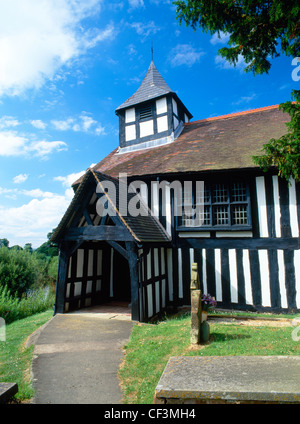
[[195, 305]]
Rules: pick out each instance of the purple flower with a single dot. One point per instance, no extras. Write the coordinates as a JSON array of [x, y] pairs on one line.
[[208, 302]]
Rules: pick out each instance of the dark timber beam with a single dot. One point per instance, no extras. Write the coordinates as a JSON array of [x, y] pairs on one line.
[[102, 232], [66, 250], [119, 248], [241, 243], [59, 304], [87, 217], [134, 279]]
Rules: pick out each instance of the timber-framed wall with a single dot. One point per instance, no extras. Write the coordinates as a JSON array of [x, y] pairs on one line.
[[254, 269], [257, 269]]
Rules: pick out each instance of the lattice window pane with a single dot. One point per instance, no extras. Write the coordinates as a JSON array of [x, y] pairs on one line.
[[239, 215], [202, 216], [238, 192], [221, 215], [220, 194], [217, 205], [202, 194], [187, 217]]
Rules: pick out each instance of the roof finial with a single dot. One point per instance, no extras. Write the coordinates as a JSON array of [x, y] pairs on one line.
[[151, 50]]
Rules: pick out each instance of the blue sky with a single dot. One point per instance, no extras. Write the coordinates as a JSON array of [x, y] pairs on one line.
[[66, 65]]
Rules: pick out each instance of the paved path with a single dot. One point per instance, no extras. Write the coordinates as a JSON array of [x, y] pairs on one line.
[[77, 357]]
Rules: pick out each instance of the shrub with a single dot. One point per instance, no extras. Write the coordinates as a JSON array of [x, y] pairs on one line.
[[16, 270], [52, 268], [20, 270], [12, 308]]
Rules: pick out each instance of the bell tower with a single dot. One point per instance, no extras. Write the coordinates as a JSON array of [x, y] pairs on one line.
[[152, 116]]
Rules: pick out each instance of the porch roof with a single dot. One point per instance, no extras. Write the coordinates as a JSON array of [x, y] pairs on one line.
[[143, 228]]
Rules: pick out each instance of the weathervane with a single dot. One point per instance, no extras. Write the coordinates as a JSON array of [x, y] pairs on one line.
[[152, 50]]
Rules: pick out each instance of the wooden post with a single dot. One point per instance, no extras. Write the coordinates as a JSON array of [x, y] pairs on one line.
[[66, 250], [195, 305], [59, 305], [134, 279]]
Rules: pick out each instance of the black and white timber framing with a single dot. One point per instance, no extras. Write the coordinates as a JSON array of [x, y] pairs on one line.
[[109, 257], [247, 247], [249, 270], [257, 269]]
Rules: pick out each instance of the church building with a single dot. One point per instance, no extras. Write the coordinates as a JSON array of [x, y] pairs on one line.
[[174, 192]]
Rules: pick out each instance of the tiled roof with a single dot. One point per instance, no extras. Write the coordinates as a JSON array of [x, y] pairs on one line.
[[152, 86], [218, 143]]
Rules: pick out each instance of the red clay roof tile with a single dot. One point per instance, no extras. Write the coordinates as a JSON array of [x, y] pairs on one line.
[[217, 143]]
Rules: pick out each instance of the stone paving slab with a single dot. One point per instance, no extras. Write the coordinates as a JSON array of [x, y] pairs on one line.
[[244, 379], [7, 391]]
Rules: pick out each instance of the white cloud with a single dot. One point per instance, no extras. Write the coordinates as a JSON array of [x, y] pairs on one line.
[[87, 122], [63, 125], [84, 123], [184, 54], [92, 37], [36, 192], [37, 123], [245, 99], [32, 221], [38, 37], [221, 38], [12, 144], [222, 63], [136, 3], [100, 130], [45, 148], [8, 121], [68, 180], [145, 30], [21, 178]]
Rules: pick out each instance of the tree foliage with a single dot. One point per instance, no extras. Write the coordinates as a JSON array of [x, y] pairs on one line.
[[48, 249], [284, 153], [24, 269], [19, 270], [259, 30]]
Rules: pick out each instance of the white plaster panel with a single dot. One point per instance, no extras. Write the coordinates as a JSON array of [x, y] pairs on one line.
[[130, 133], [162, 123], [130, 115], [146, 128], [161, 105]]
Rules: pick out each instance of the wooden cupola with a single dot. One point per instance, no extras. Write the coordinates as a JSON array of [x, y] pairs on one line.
[[152, 116]]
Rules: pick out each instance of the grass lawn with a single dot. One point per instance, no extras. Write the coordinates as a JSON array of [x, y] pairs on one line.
[[148, 350], [150, 346], [15, 359]]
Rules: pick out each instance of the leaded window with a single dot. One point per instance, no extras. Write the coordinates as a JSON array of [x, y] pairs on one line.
[[216, 205]]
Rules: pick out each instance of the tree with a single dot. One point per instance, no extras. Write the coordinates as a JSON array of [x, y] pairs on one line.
[[48, 249], [4, 242], [259, 30], [284, 153], [28, 247], [18, 270]]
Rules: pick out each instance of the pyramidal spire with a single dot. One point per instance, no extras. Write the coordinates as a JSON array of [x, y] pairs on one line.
[[152, 86]]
